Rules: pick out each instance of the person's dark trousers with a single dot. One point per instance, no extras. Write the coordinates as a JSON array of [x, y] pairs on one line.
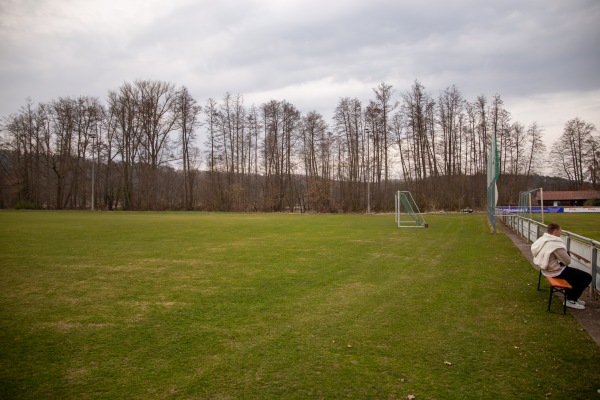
[[578, 279]]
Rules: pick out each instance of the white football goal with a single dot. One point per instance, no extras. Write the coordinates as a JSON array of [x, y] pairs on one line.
[[526, 203], [407, 212]]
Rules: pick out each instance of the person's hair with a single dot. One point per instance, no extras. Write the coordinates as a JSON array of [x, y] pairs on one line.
[[553, 226]]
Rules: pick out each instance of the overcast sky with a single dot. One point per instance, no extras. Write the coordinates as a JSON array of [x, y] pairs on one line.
[[542, 57]]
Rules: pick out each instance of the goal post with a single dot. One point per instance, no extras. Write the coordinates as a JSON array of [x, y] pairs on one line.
[[408, 214], [526, 203]]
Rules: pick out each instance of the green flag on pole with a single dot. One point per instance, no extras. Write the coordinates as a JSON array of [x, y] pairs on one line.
[[493, 172]]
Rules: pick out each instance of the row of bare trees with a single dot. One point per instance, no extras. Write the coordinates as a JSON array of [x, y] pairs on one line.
[[153, 147], [576, 154]]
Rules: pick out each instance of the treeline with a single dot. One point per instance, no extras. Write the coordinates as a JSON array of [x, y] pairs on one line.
[[152, 146]]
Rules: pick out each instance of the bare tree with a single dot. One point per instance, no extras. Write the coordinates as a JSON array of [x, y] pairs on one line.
[[349, 128], [108, 156], [536, 150], [516, 140], [62, 154], [123, 104], [417, 107], [280, 120], [316, 156], [594, 160], [383, 99], [572, 151], [214, 149], [157, 116], [252, 138], [482, 133], [450, 108], [398, 126], [24, 143], [472, 157], [373, 127], [188, 111], [233, 127]]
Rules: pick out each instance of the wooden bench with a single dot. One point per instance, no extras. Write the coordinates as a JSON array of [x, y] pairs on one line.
[[556, 285]]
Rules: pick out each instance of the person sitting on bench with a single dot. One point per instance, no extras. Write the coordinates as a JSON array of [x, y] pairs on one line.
[[551, 256]]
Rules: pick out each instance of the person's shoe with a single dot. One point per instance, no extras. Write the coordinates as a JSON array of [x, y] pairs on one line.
[[581, 302], [574, 304]]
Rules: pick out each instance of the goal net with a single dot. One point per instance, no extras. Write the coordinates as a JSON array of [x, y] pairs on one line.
[[527, 203], [407, 211]]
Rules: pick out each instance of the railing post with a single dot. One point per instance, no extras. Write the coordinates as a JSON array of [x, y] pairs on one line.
[[594, 270]]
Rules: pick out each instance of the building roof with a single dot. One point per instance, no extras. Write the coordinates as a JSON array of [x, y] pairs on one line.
[[570, 195]]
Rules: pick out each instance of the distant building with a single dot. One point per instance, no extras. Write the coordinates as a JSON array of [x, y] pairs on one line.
[[568, 198]]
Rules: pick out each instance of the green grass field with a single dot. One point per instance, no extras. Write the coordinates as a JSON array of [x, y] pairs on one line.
[[584, 224], [275, 306]]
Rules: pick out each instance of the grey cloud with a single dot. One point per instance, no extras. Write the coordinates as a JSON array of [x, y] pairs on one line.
[[514, 48]]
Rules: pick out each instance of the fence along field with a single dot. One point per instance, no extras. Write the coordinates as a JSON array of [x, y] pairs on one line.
[[583, 224], [198, 305]]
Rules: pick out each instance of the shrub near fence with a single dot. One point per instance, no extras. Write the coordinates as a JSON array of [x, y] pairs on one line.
[[584, 251]]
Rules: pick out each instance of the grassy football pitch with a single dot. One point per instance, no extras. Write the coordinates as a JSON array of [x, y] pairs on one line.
[[277, 306], [583, 224]]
